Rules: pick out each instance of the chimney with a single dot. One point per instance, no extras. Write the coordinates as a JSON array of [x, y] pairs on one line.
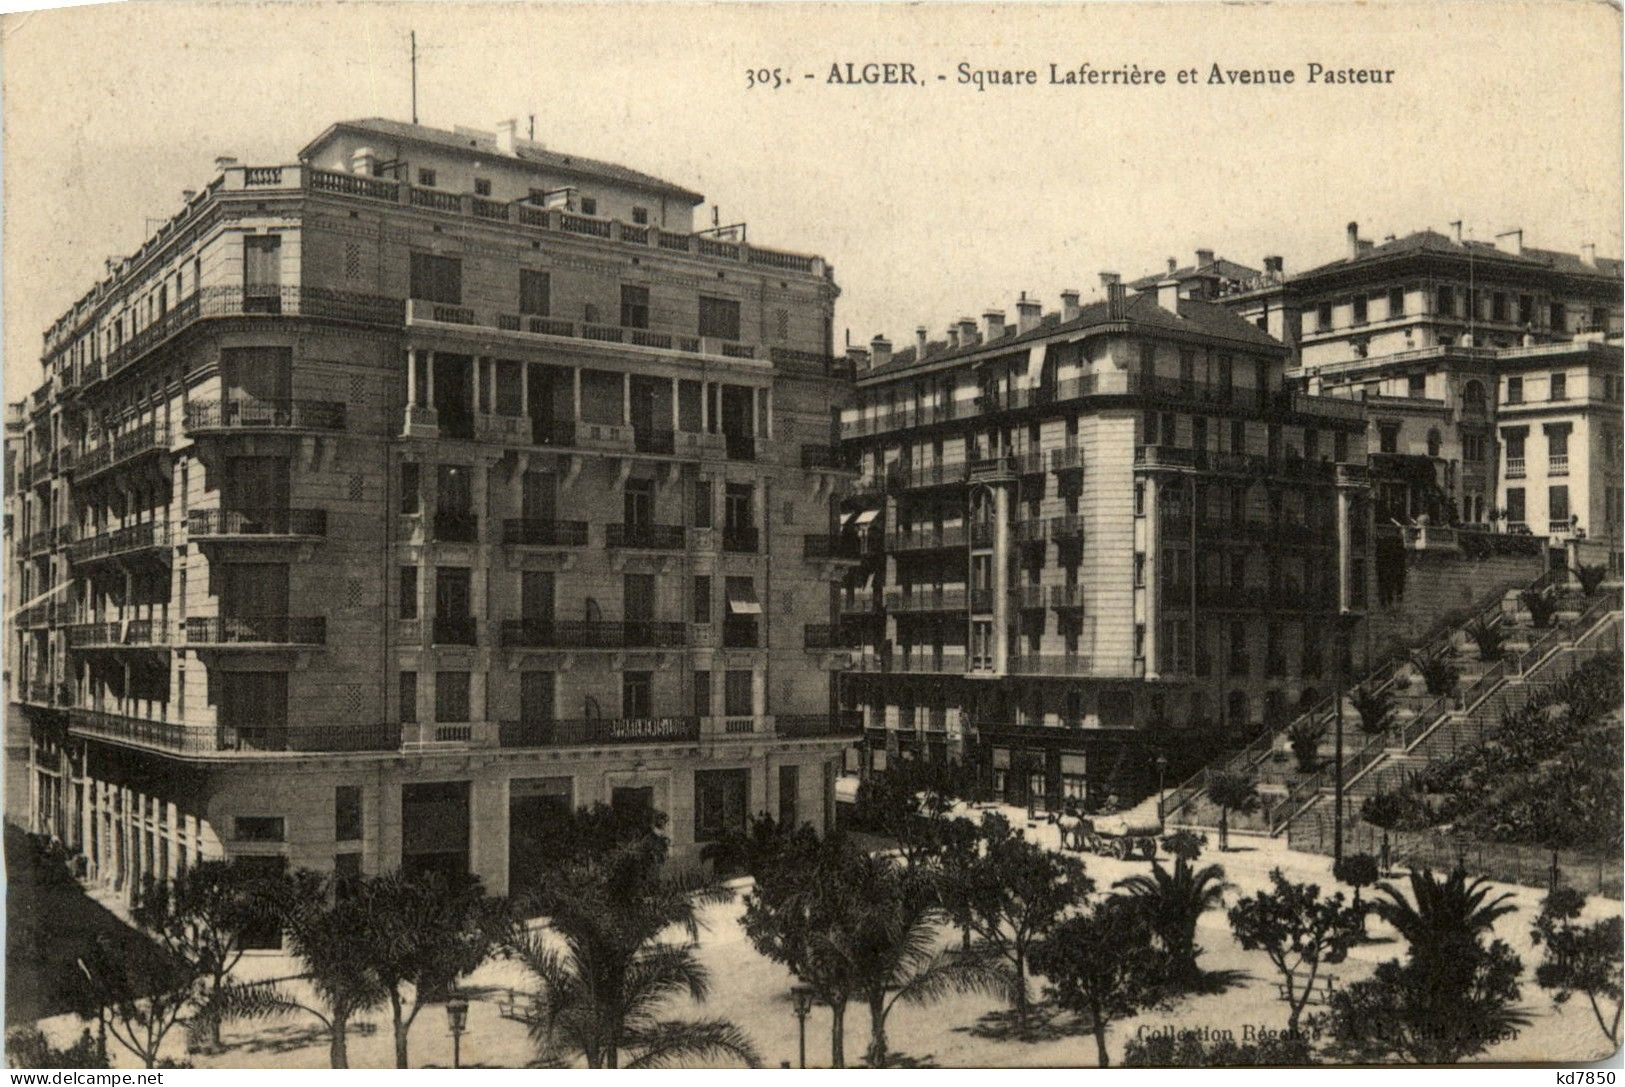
[[1588, 254], [919, 343], [187, 195], [1273, 265], [507, 135], [1204, 257], [1107, 279], [1173, 265], [993, 322], [1354, 240], [1168, 295], [222, 163], [362, 160], [1364, 246], [1386, 238], [953, 337], [1069, 305], [967, 332], [1455, 230], [1116, 299], [880, 350], [858, 357], [1029, 313], [1510, 242]]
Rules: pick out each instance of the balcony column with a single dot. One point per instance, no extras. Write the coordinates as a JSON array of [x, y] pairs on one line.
[[626, 399], [1344, 548], [758, 692], [767, 414], [705, 407], [674, 405], [575, 393], [524, 389], [1150, 541], [1001, 578], [411, 378], [428, 385]]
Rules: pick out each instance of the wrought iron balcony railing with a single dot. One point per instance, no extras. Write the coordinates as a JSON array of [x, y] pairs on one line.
[[244, 413], [593, 634], [258, 521], [533, 532], [268, 630], [644, 537], [598, 730]]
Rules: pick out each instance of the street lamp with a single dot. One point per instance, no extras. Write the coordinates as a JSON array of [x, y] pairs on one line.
[[802, 995], [1162, 768], [457, 1020], [1342, 629]]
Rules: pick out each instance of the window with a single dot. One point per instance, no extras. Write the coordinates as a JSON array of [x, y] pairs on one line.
[[1445, 304], [637, 694], [634, 306], [1396, 302], [640, 216], [535, 292], [1557, 449], [410, 487], [702, 693], [1139, 641], [1514, 390], [257, 828], [1139, 499], [1238, 436], [1139, 569], [262, 273], [1560, 386], [639, 503], [1472, 447], [719, 803], [1557, 503], [451, 697], [1417, 386], [409, 698], [702, 598], [789, 788], [1323, 316], [409, 592], [482, 186], [702, 503], [738, 501], [1388, 438], [347, 813], [738, 693], [719, 318], [1187, 365], [1526, 310], [1311, 444], [425, 177], [1515, 506], [589, 205], [1498, 307], [1434, 442], [1558, 316], [1148, 359], [1360, 309], [437, 279]]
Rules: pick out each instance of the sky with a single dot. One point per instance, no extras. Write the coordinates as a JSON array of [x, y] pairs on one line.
[[933, 200]]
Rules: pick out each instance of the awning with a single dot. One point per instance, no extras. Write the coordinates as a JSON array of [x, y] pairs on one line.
[[1073, 764], [742, 600], [1001, 758], [846, 519], [1035, 363], [865, 517]]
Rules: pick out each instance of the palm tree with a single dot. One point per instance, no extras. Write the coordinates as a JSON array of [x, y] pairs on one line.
[[1590, 577], [1443, 918], [603, 970], [1172, 903], [1541, 607], [1231, 792], [1375, 707], [1488, 637]]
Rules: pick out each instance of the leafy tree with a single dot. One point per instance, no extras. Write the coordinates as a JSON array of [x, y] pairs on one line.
[[1375, 707], [1231, 792], [138, 992], [1305, 736], [205, 917], [910, 802], [959, 851], [1104, 964], [1452, 997], [423, 933], [1299, 932], [799, 914], [1186, 845], [1014, 894], [596, 831], [753, 849], [1358, 870], [603, 971], [323, 930], [1590, 577], [1542, 607], [1488, 637], [1584, 959], [1172, 903], [1439, 674], [26, 1047], [1190, 1050]]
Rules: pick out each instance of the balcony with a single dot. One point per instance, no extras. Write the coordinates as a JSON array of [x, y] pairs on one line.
[[256, 523], [644, 537], [824, 636], [798, 726], [456, 630], [1068, 459], [531, 532], [1066, 597], [592, 731], [925, 598], [1068, 526], [904, 477], [1515, 468], [740, 447], [654, 441], [456, 526], [981, 601], [925, 660], [256, 631], [592, 634], [992, 469], [859, 604], [1047, 664], [827, 458], [740, 633], [826, 547], [741, 539], [148, 539], [119, 634], [226, 739], [234, 414], [1557, 464], [111, 453], [928, 538], [1028, 597]]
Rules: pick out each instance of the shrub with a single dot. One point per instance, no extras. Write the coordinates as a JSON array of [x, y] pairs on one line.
[[1305, 736], [1489, 638], [1438, 673], [1589, 577], [1541, 607], [1375, 707]]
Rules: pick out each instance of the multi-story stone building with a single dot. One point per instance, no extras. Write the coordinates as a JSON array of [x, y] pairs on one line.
[[1491, 374], [387, 502], [1089, 528]]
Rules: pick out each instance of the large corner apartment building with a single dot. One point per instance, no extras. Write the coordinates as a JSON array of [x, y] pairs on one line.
[[1490, 371], [1086, 530], [389, 501]]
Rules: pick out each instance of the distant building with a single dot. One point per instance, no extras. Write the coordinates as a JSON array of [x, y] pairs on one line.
[[1085, 532], [388, 502]]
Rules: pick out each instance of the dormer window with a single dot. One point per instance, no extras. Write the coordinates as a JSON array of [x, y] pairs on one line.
[[425, 177], [589, 205], [482, 186], [640, 216]]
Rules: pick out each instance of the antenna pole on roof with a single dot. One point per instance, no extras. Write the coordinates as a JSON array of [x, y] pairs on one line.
[[414, 77], [531, 132]]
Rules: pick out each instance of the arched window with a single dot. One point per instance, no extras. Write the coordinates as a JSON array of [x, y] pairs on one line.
[[594, 613], [1472, 397]]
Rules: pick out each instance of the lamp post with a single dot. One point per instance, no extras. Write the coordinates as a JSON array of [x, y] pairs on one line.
[[1344, 625], [1162, 769], [457, 1021], [802, 995]]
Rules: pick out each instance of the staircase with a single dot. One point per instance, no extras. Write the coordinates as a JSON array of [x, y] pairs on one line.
[[1422, 727]]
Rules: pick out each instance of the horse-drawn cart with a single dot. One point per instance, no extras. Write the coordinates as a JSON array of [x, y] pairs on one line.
[[1115, 836]]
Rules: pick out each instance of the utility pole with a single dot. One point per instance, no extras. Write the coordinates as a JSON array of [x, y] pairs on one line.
[[1342, 649], [414, 77]]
